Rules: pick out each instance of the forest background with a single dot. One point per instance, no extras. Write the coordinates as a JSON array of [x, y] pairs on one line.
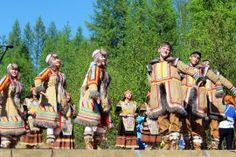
[[130, 30]]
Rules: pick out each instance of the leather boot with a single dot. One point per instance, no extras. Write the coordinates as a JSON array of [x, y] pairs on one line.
[[97, 143], [88, 143], [5, 142], [197, 142], [214, 144], [188, 142], [165, 143], [174, 138]]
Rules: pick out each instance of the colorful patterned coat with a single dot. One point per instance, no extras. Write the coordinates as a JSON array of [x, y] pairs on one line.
[[54, 84], [95, 84], [11, 123], [194, 97], [216, 107], [165, 81]]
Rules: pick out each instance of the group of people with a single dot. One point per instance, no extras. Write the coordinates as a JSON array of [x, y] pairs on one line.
[[184, 97], [182, 100], [47, 106]]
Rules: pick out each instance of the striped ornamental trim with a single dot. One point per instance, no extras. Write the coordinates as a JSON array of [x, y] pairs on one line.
[[12, 120], [32, 139], [94, 75], [12, 124], [86, 122], [45, 119], [11, 128], [161, 71], [67, 140], [92, 118], [88, 112], [51, 119], [219, 91], [47, 114], [233, 90], [47, 109], [12, 131], [196, 76]]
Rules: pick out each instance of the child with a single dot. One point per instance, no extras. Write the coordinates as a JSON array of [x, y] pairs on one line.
[[140, 120], [126, 109], [34, 137], [65, 138]]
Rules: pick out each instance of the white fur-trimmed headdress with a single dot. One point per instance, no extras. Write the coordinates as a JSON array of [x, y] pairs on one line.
[[96, 53], [50, 57], [12, 66]]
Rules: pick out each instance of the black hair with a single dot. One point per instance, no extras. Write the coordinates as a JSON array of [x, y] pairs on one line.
[[196, 52]]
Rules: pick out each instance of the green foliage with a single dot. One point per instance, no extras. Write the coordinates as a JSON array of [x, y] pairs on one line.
[[39, 39], [212, 31], [108, 22], [28, 38], [15, 35], [19, 55]]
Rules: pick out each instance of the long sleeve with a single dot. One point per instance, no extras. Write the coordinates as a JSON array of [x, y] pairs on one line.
[[93, 80], [184, 68], [225, 82], [4, 83], [213, 77], [42, 77], [220, 81], [230, 112]]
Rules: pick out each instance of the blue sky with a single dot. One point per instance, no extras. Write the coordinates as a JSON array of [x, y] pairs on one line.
[[75, 12]]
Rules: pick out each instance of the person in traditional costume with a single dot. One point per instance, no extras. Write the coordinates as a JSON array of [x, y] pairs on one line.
[[65, 139], [34, 136], [150, 129], [54, 82], [166, 101], [11, 123], [215, 108], [94, 104], [126, 109], [195, 100]]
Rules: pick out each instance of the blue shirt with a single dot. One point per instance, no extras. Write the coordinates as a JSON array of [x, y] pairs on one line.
[[230, 114], [139, 125]]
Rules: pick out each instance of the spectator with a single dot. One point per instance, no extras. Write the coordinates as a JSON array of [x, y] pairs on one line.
[[226, 127]]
